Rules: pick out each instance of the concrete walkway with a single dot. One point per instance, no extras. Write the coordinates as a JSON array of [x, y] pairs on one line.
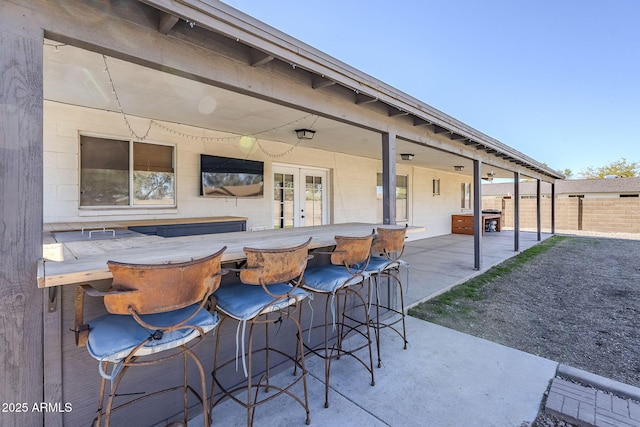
[[444, 378]]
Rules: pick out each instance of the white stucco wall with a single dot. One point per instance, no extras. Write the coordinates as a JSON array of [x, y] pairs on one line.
[[352, 179]]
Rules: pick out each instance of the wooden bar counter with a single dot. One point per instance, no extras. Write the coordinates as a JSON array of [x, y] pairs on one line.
[[71, 375], [86, 260]]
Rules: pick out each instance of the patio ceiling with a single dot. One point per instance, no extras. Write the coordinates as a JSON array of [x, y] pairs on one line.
[[76, 76]]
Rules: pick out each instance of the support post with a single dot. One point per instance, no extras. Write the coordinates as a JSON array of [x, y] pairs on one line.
[[516, 211], [538, 209], [553, 208], [478, 224], [389, 178], [21, 189]]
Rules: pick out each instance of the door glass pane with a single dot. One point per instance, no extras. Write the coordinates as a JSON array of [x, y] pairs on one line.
[[283, 200], [313, 200]]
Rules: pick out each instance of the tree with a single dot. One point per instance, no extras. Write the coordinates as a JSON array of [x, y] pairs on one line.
[[620, 168], [568, 173]]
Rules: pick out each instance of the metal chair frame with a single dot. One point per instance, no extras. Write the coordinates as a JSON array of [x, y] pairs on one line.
[[265, 267], [389, 244], [351, 253], [145, 289]]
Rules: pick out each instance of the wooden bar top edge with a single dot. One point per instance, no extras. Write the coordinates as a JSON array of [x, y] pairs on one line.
[[176, 249]]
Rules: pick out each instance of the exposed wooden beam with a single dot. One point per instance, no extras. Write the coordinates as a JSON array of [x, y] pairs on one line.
[[439, 129], [259, 58], [417, 121], [318, 82], [166, 22], [394, 112], [365, 99], [456, 137]]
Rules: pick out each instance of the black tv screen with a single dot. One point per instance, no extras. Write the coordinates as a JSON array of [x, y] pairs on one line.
[[229, 177]]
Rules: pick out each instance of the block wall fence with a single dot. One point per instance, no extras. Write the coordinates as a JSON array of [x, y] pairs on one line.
[[610, 215]]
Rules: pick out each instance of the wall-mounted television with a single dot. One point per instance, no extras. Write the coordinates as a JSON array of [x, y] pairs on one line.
[[229, 177]]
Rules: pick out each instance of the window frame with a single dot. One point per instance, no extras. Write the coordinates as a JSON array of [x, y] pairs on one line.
[[406, 192], [465, 196], [436, 186], [132, 201]]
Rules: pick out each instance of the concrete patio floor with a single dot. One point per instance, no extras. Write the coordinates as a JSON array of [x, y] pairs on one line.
[[439, 263], [444, 378]]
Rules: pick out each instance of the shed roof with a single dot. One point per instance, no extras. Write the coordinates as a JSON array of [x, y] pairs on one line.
[[571, 186]]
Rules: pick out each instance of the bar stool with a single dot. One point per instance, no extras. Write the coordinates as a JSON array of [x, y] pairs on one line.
[[338, 281], [277, 274], [156, 312], [388, 247]]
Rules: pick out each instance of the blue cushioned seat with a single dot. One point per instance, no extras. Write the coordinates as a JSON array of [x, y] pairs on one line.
[[378, 264], [268, 290], [158, 311], [243, 302], [328, 278], [340, 282], [388, 247], [114, 336]]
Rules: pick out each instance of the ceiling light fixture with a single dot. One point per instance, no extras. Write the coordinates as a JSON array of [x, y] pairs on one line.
[[458, 168], [406, 156], [305, 133]]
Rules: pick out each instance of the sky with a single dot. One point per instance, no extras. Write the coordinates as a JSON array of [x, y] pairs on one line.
[[558, 80]]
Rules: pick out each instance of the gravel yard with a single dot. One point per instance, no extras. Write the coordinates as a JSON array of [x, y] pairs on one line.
[[577, 303]]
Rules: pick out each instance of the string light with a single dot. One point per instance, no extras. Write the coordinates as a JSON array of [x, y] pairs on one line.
[[124, 116], [178, 133], [55, 46], [277, 156]]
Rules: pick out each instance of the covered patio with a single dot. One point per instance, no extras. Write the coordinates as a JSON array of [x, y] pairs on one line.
[[444, 378], [112, 73]]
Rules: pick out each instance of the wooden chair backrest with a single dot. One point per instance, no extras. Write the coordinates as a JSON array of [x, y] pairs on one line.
[[158, 288], [351, 250], [390, 241], [270, 266]]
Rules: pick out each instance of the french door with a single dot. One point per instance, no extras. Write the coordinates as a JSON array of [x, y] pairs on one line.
[[299, 197]]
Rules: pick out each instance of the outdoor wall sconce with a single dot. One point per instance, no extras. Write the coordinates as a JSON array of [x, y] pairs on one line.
[[406, 156], [458, 168], [305, 133]]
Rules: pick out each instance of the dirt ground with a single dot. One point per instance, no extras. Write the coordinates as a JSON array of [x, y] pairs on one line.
[[578, 303]]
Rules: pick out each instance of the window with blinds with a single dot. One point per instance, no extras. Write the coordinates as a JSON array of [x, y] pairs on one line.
[[125, 173]]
